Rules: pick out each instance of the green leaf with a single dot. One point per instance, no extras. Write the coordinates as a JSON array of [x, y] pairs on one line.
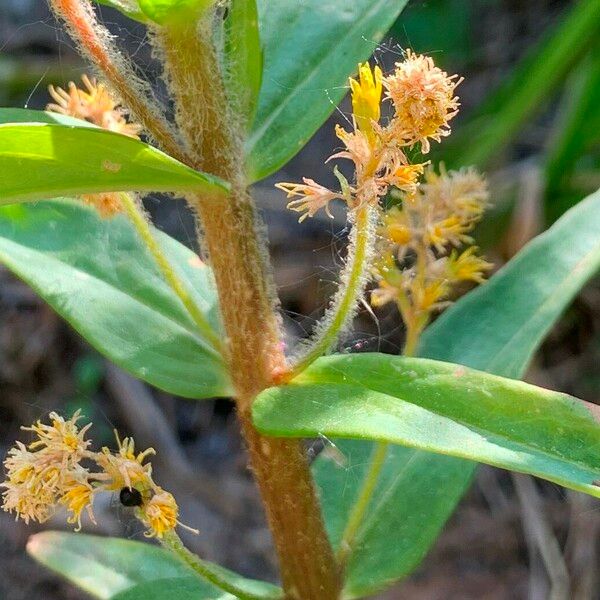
[[472, 332], [188, 589], [98, 275], [440, 407], [415, 494], [498, 326], [243, 57], [40, 160], [578, 123], [168, 11], [129, 8], [310, 48], [168, 589], [105, 567], [111, 569]]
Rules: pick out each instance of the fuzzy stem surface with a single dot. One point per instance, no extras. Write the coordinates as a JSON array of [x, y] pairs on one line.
[[94, 42], [353, 281], [254, 349]]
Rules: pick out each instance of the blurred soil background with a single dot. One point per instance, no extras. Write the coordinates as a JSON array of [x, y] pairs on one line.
[[512, 537]]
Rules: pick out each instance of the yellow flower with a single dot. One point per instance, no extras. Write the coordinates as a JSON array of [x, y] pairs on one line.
[[423, 98], [397, 227], [312, 197], [95, 105], [125, 469], [450, 230], [467, 266], [79, 496], [29, 505], [61, 440], [428, 297], [463, 193], [19, 464], [39, 479], [366, 98], [160, 514], [384, 293], [404, 176]]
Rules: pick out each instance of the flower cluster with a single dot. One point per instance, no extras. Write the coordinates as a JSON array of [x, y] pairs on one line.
[[420, 261], [56, 469], [95, 105], [423, 101]]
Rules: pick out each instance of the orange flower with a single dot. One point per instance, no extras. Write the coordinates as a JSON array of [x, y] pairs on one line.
[[94, 104], [312, 197], [423, 98]]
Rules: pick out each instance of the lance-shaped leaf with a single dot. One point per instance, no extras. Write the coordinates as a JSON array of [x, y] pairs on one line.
[[99, 276], [498, 326], [111, 568], [41, 160], [415, 493], [472, 332], [440, 407], [243, 57], [310, 48]]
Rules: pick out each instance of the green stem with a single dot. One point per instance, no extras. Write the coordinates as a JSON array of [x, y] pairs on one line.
[[372, 476], [413, 333], [362, 502], [211, 573], [145, 232], [353, 280]]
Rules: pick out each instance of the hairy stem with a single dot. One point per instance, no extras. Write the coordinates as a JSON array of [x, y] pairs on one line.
[[353, 281], [254, 350], [94, 41], [211, 573], [138, 220]]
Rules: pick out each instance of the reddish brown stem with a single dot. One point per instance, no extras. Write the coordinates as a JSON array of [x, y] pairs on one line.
[[93, 40], [308, 566]]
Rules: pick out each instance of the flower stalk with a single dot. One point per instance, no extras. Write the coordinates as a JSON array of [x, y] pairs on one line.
[[211, 573], [136, 216], [354, 278]]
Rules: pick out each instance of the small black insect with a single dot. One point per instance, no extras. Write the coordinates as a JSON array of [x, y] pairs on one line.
[[130, 497]]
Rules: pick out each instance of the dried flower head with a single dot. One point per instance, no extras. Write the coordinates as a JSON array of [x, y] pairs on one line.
[[49, 473], [312, 197], [62, 441], [423, 98], [424, 102], [160, 514], [419, 237], [96, 105]]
